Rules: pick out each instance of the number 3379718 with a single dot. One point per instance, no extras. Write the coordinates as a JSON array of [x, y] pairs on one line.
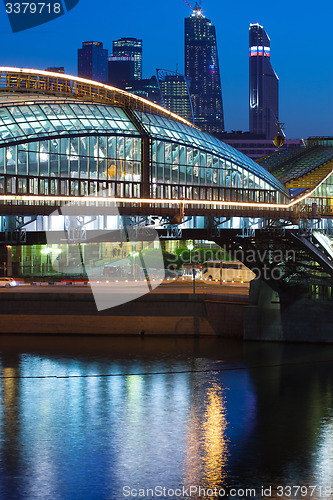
[[33, 8]]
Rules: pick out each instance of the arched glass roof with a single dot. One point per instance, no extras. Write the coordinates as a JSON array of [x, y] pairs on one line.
[[33, 120], [29, 119], [163, 128], [36, 104]]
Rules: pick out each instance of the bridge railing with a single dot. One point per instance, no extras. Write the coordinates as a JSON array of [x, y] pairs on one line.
[[316, 210]]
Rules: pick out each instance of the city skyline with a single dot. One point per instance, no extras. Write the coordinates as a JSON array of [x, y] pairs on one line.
[[300, 60]]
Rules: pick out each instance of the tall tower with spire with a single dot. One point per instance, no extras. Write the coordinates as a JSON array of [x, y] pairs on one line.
[[203, 72]]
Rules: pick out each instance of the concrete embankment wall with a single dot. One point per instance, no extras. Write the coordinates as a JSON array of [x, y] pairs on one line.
[[155, 313]]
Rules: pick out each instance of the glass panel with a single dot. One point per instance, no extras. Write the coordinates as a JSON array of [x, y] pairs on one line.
[[15, 130], [67, 111], [54, 157], [48, 126], [120, 147], [167, 156], [54, 187], [4, 132], [27, 129], [38, 127], [83, 148], [44, 158], [128, 148], [175, 173], [11, 185], [16, 114], [48, 111], [64, 188], [75, 188], [175, 154], [11, 160], [136, 149], [74, 157], [112, 147], [182, 152], [102, 154], [26, 112], [160, 152], [56, 111], [87, 124], [2, 160], [37, 111], [93, 155], [64, 157]]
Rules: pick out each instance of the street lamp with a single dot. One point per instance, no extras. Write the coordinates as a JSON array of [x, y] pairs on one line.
[[190, 247]]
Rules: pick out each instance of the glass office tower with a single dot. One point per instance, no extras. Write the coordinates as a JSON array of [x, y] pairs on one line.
[[263, 85], [175, 93], [203, 72], [121, 70], [130, 47], [93, 62]]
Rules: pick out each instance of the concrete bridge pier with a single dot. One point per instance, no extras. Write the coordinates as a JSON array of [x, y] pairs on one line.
[[290, 315]]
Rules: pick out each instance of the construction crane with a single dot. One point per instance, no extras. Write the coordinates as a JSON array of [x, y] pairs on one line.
[[188, 5]]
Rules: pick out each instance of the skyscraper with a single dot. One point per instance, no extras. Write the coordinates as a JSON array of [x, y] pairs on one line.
[[93, 62], [121, 70], [175, 93], [203, 72], [147, 88], [130, 47], [264, 84]]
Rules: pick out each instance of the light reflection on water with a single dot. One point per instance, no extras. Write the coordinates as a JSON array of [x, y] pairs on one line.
[[81, 419]]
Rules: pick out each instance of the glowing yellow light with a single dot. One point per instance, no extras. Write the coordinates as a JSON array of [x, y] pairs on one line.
[[152, 201]]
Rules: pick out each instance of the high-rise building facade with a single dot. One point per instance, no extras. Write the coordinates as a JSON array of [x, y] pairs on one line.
[[147, 88], [121, 70], [175, 93], [263, 84], [130, 47], [203, 72], [93, 62]]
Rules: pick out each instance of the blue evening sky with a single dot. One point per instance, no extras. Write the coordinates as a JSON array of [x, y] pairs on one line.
[[301, 49]]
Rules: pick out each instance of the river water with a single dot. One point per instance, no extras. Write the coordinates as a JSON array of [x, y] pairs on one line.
[[113, 418]]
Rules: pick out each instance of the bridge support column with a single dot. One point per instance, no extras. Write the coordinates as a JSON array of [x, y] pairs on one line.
[[290, 317], [262, 317]]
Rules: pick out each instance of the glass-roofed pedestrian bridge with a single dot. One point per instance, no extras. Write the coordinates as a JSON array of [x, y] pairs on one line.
[[65, 138]]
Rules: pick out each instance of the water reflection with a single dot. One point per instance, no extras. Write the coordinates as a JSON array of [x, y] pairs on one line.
[[206, 444], [83, 422], [10, 430]]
